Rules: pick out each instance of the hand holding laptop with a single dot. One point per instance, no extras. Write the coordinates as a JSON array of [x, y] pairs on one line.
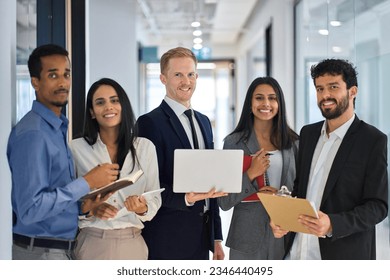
[[192, 197]]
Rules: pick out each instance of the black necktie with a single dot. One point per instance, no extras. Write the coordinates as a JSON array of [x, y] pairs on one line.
[[188, 113]]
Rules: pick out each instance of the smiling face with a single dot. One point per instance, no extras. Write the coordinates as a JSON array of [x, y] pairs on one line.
[[106, 107], [264, 103], [180, 79], [52, 87], [333, 97]]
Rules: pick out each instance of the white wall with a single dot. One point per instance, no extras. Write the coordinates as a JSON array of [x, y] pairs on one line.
[[281, 14], [111, 46], [7, 89]]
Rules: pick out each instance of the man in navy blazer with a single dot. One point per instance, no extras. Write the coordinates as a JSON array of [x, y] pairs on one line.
[[342, 168], [188, 225]]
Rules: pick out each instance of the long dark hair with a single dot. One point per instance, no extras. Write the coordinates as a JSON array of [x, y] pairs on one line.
[[282, 136], [127, 128]]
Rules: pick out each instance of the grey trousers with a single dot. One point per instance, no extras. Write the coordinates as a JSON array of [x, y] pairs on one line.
[[38, 253]]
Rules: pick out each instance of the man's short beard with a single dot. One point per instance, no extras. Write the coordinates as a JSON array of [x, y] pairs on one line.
[[330, 115], [60, 104], [341, 107]]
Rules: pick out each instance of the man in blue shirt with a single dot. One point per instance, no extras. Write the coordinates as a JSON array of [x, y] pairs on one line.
[[45, 193]]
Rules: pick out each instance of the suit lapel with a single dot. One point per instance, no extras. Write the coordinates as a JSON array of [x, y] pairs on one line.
[[176, 125], [306, 154], [252, 144], [286, 160], [206, 130], [341, 158]]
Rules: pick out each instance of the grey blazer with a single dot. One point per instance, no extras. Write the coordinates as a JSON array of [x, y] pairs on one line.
[[249, 230]]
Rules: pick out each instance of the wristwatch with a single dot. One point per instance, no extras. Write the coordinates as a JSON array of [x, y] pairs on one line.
[[329, 234], [142, 214]]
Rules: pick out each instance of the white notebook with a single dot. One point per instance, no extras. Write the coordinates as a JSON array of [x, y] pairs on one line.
[[201, 170]]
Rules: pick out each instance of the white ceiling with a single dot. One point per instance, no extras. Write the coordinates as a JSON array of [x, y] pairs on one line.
[[222, 21], [169, 21]]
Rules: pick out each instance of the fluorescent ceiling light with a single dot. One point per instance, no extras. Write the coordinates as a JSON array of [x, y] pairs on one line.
[[335, 23], [337, 49]]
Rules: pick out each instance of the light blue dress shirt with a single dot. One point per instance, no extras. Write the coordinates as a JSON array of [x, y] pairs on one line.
[[44, 189]]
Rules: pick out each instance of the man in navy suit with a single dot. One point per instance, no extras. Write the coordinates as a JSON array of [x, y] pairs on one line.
[[342, 168], [187, 226]]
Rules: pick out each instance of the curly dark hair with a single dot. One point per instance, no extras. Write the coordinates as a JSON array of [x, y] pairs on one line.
[[336, 67]]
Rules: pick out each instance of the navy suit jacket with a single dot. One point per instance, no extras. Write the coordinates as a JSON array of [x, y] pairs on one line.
[[175, 232], [356, 191]]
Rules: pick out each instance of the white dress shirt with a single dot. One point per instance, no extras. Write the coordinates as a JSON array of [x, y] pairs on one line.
[[306, 246], [275, 168], [87, 157], [179, 110]]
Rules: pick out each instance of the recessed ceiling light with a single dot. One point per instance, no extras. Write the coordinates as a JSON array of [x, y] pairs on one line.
[[197, 40], [324, 32], [335, 23], [337, 49], [197, 46], [195, 24], [197, 32]]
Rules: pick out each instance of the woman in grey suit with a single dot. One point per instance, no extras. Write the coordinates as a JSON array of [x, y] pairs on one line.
[[270, 147]]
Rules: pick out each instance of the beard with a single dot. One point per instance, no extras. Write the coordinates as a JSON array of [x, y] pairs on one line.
[[60, 104], [341, 106]]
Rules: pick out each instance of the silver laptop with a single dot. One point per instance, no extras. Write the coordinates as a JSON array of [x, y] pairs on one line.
[[201, 170]]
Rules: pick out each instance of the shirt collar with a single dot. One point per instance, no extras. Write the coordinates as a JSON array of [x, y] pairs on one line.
[[99, 141], [49, 116], [177, 107], [340, 131]]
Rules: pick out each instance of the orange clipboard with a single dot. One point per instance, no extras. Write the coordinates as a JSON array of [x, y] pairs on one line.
[[285, 210]]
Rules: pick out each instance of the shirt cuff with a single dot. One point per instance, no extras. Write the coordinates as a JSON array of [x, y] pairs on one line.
[[187, 203]]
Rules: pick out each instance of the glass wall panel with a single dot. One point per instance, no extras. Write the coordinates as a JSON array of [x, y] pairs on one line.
[[355, 30], [26, 42], [348, 29]]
